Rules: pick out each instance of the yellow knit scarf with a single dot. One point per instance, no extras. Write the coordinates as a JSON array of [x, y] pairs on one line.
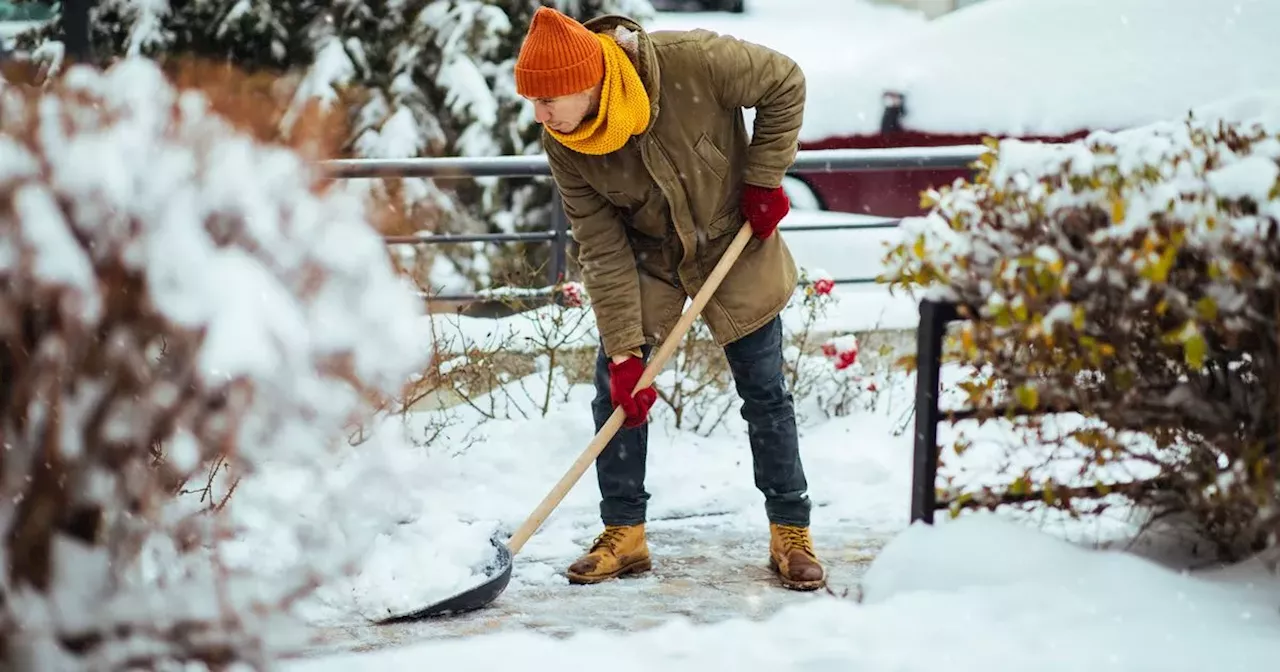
[[624, 107]]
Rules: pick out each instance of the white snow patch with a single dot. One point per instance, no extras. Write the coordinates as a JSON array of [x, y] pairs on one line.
[[1253, 177]]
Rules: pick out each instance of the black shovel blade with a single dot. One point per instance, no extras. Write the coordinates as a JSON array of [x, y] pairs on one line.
[[499, 573]]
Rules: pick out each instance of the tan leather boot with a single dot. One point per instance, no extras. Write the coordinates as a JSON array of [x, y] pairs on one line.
[[618, 550], [791, 556]]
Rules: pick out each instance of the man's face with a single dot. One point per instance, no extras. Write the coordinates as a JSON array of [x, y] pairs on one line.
[[563, 114]]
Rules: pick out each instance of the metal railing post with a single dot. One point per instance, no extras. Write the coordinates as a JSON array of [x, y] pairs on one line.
[[934, 317], [560, 238]]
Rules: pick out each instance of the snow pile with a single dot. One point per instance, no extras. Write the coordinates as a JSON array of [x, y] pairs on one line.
[[189, 306], [979, 591], [418, 541]]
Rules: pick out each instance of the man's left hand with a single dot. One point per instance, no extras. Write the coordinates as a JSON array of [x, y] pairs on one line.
[[764, 208]]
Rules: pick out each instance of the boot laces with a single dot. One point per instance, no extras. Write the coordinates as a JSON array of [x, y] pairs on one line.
[[608, 539], [796, 538]]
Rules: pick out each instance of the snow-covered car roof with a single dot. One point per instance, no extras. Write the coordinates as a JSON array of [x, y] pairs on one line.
[[1053, 67]]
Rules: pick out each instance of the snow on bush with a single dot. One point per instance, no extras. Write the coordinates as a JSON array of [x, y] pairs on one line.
[[175, 294], [1132, 276]]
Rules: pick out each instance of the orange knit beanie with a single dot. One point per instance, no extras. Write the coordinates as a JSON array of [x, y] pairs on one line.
[[559, 56]]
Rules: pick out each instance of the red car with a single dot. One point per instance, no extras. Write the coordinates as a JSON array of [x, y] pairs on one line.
[[1032, 70]]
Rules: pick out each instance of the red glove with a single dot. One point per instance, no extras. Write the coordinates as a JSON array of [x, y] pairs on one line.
[[764, 208], [623, 377]]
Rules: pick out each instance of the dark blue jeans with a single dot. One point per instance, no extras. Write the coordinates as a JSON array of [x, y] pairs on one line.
[[767, 405]]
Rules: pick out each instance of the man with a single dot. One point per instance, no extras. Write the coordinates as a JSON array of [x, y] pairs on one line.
[[647, 144]]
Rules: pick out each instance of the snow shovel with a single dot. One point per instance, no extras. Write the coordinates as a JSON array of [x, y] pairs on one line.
[[499, 570]]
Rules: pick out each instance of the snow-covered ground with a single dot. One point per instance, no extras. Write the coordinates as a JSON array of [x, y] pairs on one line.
[[978, 594], [970, 594]]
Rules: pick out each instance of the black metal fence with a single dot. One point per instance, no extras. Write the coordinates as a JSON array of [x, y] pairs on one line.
[[934, 318], [466, 168]]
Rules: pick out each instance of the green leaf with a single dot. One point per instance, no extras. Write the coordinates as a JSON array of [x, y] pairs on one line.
[[1194, 350], [1028, 397], [1077, 317], [1159, 271], [1207, 309]]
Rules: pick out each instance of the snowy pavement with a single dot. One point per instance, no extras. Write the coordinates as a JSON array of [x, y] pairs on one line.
[[975, 594], [706, 569], [708, 534]]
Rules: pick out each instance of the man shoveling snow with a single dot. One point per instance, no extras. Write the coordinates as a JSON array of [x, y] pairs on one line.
[[645, 136]]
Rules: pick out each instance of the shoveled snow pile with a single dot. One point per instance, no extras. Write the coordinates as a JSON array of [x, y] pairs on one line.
[[970, 594], [425, 544]]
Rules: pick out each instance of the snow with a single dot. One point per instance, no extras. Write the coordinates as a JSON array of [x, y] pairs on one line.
[[478, 478], [847, 254], [1083, 64], [58, 257], [828, 40], [963, 595], [331, 71], [1253, 177], [146, 31]]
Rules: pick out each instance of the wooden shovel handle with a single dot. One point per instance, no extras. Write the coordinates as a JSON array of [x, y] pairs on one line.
[[614, 423]]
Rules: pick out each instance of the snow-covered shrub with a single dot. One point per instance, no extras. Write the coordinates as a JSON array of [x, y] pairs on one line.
[[173, 294], [1132, 276]]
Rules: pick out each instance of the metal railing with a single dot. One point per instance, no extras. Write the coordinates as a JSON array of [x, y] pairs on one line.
[[471, 167]]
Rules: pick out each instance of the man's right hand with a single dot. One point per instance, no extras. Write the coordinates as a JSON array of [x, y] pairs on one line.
[[624, 374]]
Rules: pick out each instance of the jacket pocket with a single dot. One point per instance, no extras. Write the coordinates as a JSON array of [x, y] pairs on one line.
[[728, 220], [712, 156], [643, 214], [624, 202]]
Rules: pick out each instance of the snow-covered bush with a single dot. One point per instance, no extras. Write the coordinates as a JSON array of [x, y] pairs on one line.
[[1132, 276], [173, 294]]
